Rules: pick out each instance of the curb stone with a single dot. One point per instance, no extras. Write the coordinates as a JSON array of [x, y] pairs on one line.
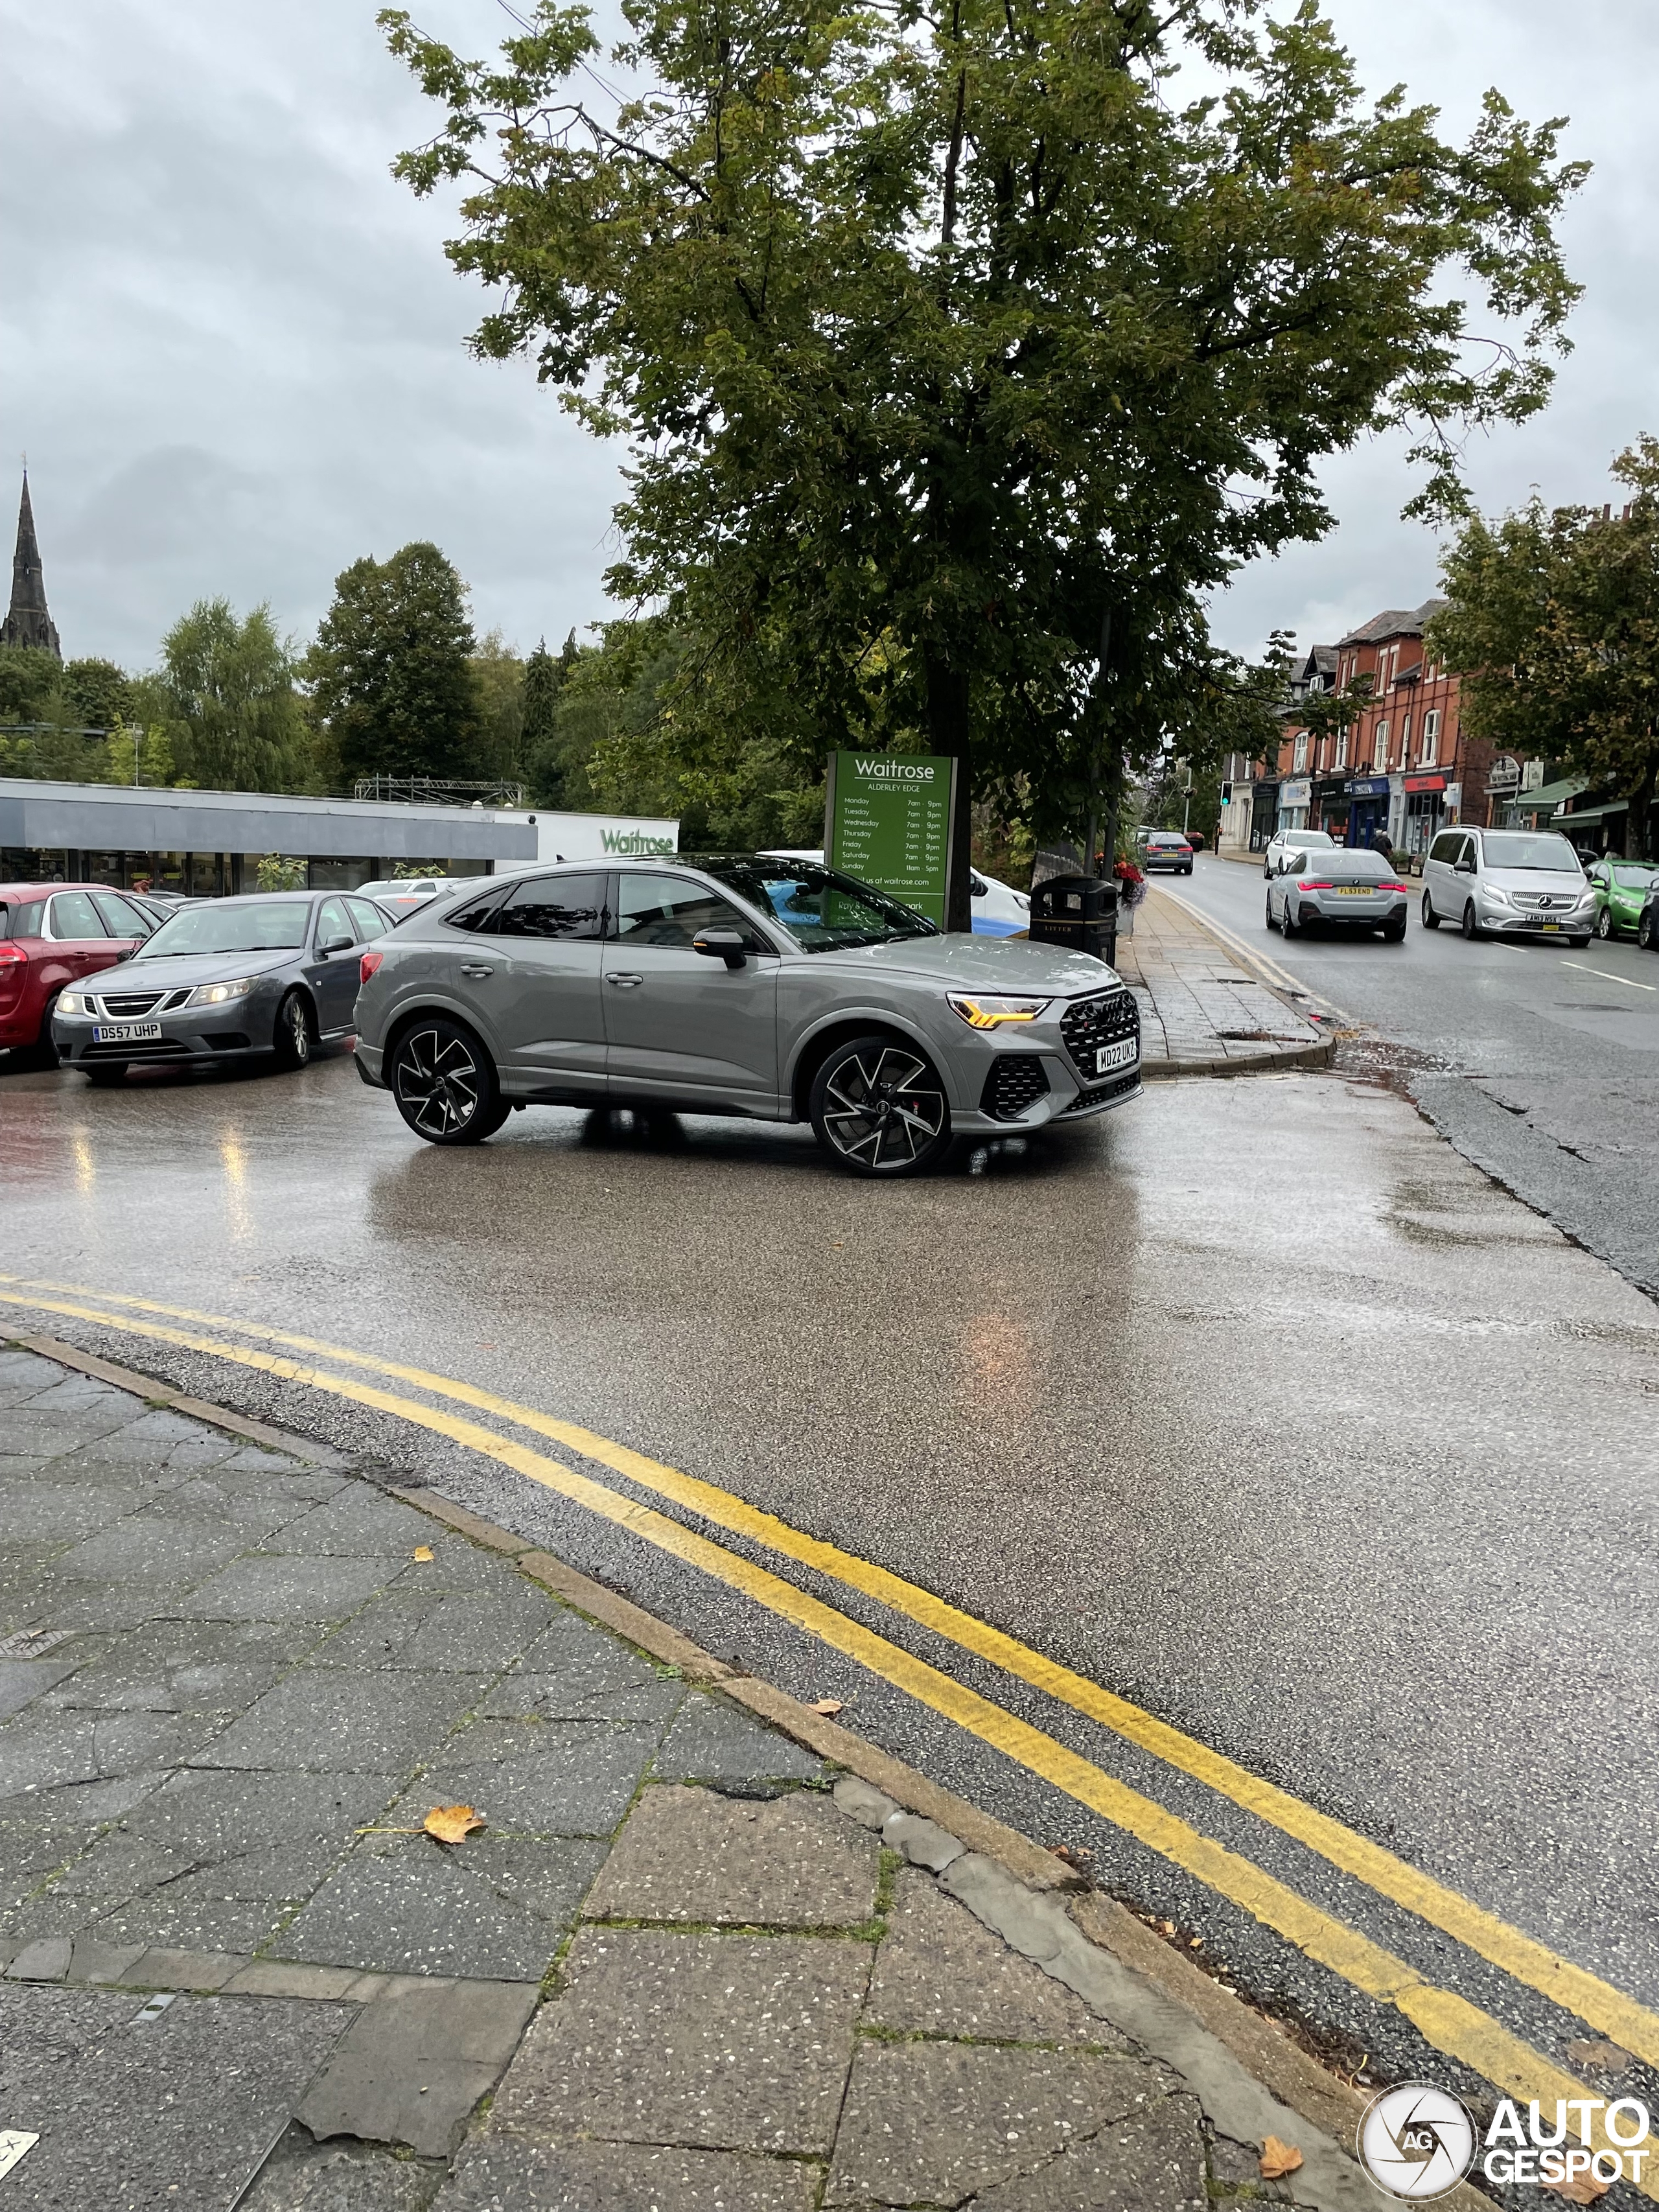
[[1248, 2075]]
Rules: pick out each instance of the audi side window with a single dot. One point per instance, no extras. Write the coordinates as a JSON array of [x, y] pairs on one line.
[[667, 910], [477, 917], [552, 906]]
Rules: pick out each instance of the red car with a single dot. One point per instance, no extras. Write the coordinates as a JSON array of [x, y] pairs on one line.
[[50, 935]]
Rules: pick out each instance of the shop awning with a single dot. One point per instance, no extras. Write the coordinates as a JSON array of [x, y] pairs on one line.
[[1547, 798], [1587, 814]]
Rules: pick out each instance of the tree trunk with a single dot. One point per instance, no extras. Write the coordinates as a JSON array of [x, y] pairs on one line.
[[948, 733], [1637, 810]]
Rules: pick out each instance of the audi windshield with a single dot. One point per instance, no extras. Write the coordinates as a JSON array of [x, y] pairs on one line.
[[821, 909]]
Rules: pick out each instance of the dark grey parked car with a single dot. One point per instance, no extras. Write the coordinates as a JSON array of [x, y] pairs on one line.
[[274, 972], [748, 984]]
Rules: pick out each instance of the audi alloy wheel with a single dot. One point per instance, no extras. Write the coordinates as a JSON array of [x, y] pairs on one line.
[[443, 1085], [878, 1108]]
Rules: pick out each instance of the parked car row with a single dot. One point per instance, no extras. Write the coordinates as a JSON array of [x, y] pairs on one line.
[[1488, 883], [757, 985]]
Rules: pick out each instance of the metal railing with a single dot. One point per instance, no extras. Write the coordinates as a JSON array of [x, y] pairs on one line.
[[438, 791]]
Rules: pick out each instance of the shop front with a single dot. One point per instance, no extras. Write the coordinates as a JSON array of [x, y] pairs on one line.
[[1368, 808], [1265, 813], [1425, 811], [1329, 808], [1295, 794]]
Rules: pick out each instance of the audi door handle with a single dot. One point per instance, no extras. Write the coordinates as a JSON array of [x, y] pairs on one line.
[[477, 974], [626, 982]]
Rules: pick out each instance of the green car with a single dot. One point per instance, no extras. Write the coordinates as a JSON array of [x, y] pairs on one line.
[[1622, 890]]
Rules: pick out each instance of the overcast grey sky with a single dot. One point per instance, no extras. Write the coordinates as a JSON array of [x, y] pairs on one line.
[[234, 351]]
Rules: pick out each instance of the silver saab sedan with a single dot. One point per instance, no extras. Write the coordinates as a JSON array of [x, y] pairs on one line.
[[747, 984], [272, 973]]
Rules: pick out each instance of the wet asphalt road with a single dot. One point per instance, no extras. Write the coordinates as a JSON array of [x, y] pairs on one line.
[[1256, 1403], [1538, 1060]]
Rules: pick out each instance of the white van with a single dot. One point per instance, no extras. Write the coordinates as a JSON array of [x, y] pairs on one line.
[[1508, 883]]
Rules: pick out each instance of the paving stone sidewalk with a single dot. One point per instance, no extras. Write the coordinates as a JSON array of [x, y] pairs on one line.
[[683, 1967], [1200, 1011]]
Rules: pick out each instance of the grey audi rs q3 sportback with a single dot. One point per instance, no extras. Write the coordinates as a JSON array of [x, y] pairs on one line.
[[741, 984]]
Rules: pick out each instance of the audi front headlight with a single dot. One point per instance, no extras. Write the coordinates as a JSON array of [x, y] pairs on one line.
[[982, 1011], [215, 994]]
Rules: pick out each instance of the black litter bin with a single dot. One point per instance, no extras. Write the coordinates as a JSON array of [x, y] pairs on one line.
[[1079, 911]]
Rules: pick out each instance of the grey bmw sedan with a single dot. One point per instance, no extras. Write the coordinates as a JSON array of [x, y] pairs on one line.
[[740, 984], [274, 973]]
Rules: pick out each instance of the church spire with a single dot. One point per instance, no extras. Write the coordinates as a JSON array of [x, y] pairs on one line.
[[28, 621]]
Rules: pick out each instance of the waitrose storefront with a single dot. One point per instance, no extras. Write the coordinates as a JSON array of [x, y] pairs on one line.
[[203, 844]]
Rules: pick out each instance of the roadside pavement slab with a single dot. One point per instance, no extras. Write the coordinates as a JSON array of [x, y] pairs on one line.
[[1151, 2161], [535, 1778], [341, 2176], [410, 1905], [158, 1542], [23, 1680], [282, 1586], [42, 1597], [317, 1717], [718, 2042], [939, 1972], [44, 1750], [416, 2061], [479, 1629], [580, 1695], [31, 1850], [358, 1521], [508, 2173], [713, 1742], [936, 2122], [692, 1855], [46, 1509], [175, 2110], [184, 1667]]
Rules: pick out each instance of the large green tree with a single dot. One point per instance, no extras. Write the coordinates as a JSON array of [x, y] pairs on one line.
[[236, 721], [392, 670], [1553, 624], [952, 332]]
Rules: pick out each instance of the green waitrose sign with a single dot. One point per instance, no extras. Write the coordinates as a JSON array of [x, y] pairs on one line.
[[887, 820]]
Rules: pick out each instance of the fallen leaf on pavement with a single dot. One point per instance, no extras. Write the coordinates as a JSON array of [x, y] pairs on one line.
[[1279, 2159], [1582, 2189], [422, 1552], [828, 1707], [449, 1824]]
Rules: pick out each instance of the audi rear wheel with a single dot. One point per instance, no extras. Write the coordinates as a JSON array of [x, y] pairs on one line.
[[444, 1085], [878, 1108]]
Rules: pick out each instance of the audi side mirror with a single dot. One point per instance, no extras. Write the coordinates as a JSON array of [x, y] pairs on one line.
[[721, 945]]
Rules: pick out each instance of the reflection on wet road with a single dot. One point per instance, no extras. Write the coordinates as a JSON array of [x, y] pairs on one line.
[[1255, 1405]]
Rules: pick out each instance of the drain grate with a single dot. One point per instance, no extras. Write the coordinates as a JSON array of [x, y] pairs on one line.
[[33, 1643]]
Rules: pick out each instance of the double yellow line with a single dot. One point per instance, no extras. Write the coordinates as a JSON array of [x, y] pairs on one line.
[[1445, 2019]]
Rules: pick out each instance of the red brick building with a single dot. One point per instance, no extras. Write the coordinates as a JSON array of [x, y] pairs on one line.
[[1404, 766]]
